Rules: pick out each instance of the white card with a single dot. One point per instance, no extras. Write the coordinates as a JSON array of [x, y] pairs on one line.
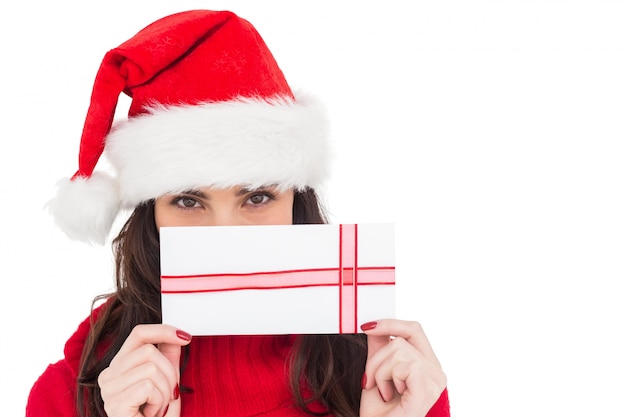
[[288, 279]]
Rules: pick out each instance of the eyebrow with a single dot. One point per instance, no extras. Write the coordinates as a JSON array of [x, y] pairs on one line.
[[240, 192], [195, 193], [244, 190]]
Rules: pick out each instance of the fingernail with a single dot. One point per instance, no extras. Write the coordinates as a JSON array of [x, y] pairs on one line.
[[364, 381], [183, 335], [167, 407], [381, 395], [369, 325], [176, 392]]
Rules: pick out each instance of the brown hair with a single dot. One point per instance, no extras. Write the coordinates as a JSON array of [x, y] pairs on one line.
[[331, 365]]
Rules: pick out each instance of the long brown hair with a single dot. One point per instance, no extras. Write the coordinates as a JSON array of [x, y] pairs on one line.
[[331, 365]]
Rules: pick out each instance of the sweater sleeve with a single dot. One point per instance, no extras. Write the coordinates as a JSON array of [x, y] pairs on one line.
[[442, 407], [54, 393]]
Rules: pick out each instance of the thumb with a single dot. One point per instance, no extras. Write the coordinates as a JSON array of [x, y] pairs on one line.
[[172, 350], [374, 342], [172, 353]]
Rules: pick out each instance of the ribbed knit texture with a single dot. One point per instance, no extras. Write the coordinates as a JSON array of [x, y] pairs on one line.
[[238, 376]]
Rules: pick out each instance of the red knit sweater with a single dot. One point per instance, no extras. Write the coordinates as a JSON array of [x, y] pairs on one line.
[[240, 376]]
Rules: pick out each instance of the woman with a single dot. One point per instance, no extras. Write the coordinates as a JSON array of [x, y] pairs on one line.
[[215, 136]]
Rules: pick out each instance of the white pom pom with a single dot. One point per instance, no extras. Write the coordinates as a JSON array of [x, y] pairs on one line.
[[85, 208]]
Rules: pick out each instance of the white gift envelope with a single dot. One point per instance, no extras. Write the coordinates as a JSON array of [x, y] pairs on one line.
[[288, 279]]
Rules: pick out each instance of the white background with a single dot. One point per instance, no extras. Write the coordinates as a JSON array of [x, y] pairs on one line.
[[490, 132]]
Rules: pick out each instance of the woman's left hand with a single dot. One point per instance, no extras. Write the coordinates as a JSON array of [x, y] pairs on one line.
[[403, 377]]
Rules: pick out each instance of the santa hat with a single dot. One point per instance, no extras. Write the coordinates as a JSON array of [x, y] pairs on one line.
[[210, 107]]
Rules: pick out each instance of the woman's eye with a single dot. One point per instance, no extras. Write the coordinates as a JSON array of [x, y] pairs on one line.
[[187, 202], [259, 199]]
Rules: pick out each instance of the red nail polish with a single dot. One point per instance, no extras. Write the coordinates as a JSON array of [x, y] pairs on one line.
[[369, 325], [381, 395], [183, 335], [176, 392], [167, 407], [364, 381]]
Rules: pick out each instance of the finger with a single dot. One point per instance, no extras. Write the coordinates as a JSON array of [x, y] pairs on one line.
[[374, 345], [145, 354], [171, 353], [391, 367], [142, 381], [139, 360], [143, 394], [380, 365], [418, 383], [389, 386], [411, 331], [153, 334], [375, 341]]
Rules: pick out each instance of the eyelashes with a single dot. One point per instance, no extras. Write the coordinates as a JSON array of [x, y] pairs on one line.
[[185, 202], [266, 196], [254, 198]]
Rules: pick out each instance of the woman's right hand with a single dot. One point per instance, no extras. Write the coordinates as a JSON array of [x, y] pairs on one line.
[[142, 379]]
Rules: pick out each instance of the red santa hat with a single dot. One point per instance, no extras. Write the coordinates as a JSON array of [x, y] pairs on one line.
[[210, 107]]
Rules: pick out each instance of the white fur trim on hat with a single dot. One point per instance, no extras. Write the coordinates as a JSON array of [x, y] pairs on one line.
[[247, 142]]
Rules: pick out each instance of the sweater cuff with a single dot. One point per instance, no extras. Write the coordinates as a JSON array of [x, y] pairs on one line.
[[442, 407]]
